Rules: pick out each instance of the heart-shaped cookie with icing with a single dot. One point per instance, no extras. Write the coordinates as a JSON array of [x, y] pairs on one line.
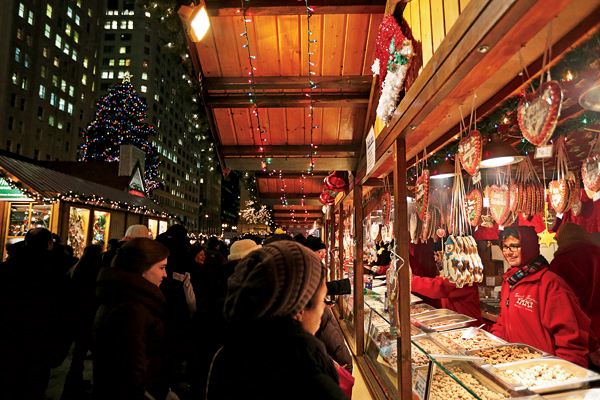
[[422, 194], [469, 152], [538, 113], [590, 172], [514, 197], [576, 207], [499, 203], [558, 195], [474, 206]]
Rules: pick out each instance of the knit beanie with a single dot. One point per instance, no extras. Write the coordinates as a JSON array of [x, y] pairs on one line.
[[242, 247], [570, 233], [135, 231], [275, 281]]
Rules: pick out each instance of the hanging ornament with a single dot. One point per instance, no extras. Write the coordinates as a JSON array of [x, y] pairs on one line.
[[474, 206], [393, 55], [499, 203], [590, 169], [547, 238], [538, 113], [422, 194], [469, 152]]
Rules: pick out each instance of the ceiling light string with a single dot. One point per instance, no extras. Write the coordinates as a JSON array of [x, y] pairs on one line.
[[252, 94], [312, 86]]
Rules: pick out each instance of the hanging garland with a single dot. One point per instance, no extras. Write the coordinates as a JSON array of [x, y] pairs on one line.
[[393, 54]]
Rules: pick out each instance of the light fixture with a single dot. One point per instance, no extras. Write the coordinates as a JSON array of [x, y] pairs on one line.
[[483, 49], [591, 99], [498, 153], [442, 171], [195, 19]]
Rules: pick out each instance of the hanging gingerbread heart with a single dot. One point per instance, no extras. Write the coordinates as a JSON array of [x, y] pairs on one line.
[[422, 194], [514, 197], [469, 152], [474, 206], [590, 172], [414, 227], [558, 195], [499, 203], [576, 207], [538, 113]]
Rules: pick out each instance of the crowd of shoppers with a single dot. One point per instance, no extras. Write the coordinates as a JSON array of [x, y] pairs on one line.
[[165, 319]]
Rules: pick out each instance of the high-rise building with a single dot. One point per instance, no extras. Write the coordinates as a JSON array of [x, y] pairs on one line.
[[48, 84], [131, 43]]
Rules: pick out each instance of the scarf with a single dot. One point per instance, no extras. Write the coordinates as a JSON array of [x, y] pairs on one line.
[[529, 269]]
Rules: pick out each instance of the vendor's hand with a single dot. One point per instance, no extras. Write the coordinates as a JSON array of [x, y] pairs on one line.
[[595, 357]]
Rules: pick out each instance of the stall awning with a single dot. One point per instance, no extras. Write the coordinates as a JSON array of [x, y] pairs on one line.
[[52, 184]]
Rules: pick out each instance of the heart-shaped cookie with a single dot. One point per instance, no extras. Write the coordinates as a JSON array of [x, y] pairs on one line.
[[558, 195], [469, 152], [514, 197], [474, 206], [538, 113], [422, 194], [499, 203], [576, 207], [425, 227], [590, 172], [414, 223]]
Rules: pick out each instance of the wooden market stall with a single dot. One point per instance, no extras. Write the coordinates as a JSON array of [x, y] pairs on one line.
[[290, 95]]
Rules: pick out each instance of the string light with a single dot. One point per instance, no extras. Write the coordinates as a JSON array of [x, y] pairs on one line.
[[252, 95], [311, 86]]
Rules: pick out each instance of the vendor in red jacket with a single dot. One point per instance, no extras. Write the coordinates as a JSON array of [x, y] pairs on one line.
[[537, 306], [577, 261]]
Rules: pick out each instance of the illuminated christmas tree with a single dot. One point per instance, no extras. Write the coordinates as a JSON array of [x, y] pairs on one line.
[[119, 121]]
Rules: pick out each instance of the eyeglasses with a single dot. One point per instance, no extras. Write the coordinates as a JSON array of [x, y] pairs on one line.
[[511, 248]]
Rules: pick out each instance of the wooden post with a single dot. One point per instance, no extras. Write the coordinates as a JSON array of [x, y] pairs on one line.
[[331, 243], [358, 273], [341, 243], [402, 240]]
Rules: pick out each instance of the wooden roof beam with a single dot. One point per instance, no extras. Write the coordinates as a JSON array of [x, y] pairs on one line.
[[361, 82], [289, 101], [229, 8], [290, 150]]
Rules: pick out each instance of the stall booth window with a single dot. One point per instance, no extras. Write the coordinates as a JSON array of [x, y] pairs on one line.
[[101, 227], [153, 228], [79, 219], [25, 216], [162, 227]]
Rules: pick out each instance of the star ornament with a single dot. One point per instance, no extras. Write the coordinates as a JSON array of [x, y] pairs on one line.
[[547, 238]]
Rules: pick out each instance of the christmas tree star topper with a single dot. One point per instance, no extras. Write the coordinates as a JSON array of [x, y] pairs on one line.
[[127, 77]]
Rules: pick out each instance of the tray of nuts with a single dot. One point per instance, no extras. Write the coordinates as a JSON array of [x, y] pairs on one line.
[[420, 308], [504, 354], [418, 358], [548, 375], [453, 340], [478, 380], [449, 322], [436, 313]]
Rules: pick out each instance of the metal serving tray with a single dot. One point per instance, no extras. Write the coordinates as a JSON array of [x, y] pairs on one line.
[[422, 308], [441, 312], [575, 395], [495, 338], [584, 376], [475, 353], [420, 340], [454, 321], [414, 299]]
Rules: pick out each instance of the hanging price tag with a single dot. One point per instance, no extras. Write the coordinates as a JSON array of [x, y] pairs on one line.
[[477, 178], [420, 385], [543, 152]]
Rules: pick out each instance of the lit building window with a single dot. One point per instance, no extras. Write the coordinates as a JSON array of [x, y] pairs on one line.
[[89, 12], [30, 18], [61, 104], [115, 24], [74, 55], [122, 50], [15, 78], [43, 71], [42, 91], [55, 80], [123, 24], [156, 97], [20, 33], [129, 24], [66, 49], [147, 14], [47, 31], [45, 52], [85, 62], [17, 54], [121, 74], [51, 120], [26, 62], [68, 29], [71, 90], [111, 62], [144, 89], [108, 74], [79, 3], [58, 41], [76, 36], [77, 21], [84, 79], [70, 108], [144, 76], [69, 12], [56, 61], [49, 11], [107, 24], [52, 99], [21, 10], [63, 85]]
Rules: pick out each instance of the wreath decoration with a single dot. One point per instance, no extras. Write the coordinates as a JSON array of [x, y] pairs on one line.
[[395, 48]]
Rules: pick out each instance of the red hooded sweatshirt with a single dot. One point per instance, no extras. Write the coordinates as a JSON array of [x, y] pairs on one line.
[[464, 300], [541, 310]]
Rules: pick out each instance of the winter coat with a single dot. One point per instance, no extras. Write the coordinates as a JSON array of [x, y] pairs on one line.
[[464, 300], [542, 311], [579, 265], [330, 334], [273, 358], [129, 332]]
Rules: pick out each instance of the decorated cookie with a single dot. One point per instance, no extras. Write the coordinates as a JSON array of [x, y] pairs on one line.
[[422, 194], [499, 203], [538, 113], [469, 152], [474, 206], [590, 172]]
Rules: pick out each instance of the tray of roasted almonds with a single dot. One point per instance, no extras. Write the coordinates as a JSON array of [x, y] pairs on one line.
[[443, 387], [453, 340], [420, 308], [430, 346], [448, 322], [546, 375], [507, 353]]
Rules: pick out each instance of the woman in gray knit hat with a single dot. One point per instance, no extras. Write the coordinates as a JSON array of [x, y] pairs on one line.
[[274, 306]]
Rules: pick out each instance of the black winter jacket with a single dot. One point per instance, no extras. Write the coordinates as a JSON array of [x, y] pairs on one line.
[[273, 359], [129, 331], [330, 334]]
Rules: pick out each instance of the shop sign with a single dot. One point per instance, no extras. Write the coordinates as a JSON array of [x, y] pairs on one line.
[[371, 151], [9, 193]]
